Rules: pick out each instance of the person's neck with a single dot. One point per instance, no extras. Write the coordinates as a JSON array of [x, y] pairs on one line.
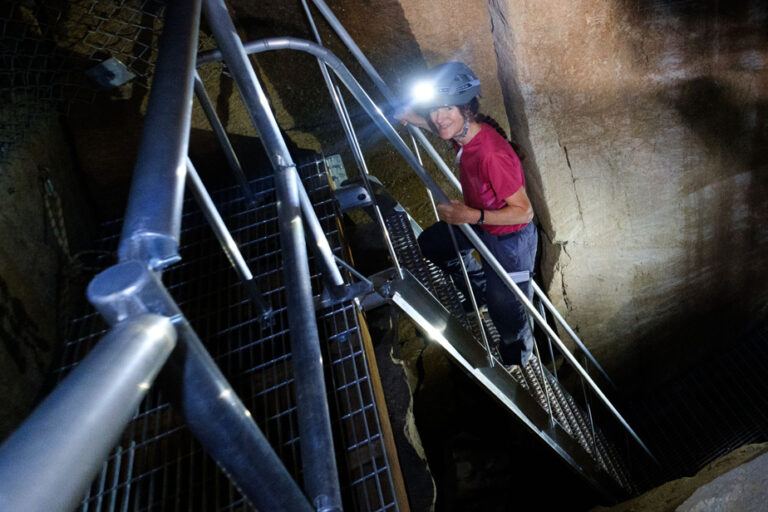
[[474, 129]]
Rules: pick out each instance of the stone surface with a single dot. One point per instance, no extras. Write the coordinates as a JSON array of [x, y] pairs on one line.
[[33, 276], [645, 123], [674, 495], [743, 489]]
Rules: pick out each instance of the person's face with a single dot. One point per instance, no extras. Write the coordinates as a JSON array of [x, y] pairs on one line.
[[448, 121]]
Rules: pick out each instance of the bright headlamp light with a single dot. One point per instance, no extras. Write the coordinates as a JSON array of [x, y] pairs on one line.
[[423, 92]]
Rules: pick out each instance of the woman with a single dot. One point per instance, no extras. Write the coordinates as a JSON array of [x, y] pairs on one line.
[[493, 187]]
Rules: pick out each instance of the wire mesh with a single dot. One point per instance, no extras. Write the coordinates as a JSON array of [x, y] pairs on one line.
[[158, 464], [46, 48]]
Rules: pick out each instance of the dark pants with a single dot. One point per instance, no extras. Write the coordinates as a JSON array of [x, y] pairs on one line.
[[516, 252]]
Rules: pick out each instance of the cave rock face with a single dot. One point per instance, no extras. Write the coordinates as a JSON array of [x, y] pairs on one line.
[[643, 124], [647, 124]]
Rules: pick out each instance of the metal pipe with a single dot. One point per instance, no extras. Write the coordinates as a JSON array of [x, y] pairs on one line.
[[373, 111], [153, 216], [511, 285], [336, 25], [379, 82], [318, 461], [354, 144], [221, 134], [198, 390], [352, 270], [318, 242], [544, 300], [389, 132], [228, 244], [51, 460], [549, 344], [467, 282]]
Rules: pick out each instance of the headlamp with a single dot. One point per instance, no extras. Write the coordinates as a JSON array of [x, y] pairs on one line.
[[423, 92]]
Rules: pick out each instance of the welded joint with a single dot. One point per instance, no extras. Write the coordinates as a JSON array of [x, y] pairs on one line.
[[156, 250], [129, 289]]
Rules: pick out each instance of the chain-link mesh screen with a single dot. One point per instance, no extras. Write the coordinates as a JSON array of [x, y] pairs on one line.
[[47, 48]]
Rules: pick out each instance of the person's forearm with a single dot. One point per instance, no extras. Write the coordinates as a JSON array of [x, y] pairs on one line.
[[506, 216]]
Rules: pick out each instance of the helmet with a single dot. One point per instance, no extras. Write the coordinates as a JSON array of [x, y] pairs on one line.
[[451, 83]]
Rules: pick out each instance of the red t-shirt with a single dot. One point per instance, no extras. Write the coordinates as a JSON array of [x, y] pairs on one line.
[[490, 172]]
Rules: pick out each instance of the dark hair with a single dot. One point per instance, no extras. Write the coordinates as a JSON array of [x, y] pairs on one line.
[[471, 111]]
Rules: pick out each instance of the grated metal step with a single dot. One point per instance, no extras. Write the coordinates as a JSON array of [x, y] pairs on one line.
[[158, 465], [533, 377]]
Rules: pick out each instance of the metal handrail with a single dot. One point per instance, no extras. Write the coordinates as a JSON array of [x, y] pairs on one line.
[[382, 86], [153, 216], [354, 145], [316, 440], [199, 391], [380, 120], [228, 244], [128, 293], [50, 461], [221, 135]]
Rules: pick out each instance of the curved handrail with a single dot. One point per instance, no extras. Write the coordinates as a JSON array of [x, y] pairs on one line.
[[380, 120]]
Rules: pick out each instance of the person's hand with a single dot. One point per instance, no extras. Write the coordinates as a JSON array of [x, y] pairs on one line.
[[407, 115], [457, 212]]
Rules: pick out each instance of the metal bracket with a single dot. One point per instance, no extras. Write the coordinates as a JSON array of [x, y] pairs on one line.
[[352, 197], [343, 293]]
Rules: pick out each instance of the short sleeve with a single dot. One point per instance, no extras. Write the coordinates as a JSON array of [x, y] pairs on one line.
[[504, 172]]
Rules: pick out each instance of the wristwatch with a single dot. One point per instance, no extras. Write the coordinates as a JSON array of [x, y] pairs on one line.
[[482, 218]]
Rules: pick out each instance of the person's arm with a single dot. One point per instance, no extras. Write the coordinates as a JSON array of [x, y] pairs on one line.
[[517, 211], [408, 116]]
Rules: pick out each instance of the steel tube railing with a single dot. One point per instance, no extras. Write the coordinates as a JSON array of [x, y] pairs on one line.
[[317, 240], [389, 132], [228, 244], [221, 135], [354, 144], [346, 38], [329, 271], [198, 390], [153, 216], [379, 82], [318, 461], [50, 461], [544, 300]]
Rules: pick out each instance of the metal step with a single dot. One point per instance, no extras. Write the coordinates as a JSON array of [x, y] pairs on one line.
[[533, 388]]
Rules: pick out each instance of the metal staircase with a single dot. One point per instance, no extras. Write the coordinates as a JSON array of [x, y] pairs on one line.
[[267, 369], [436, 302]]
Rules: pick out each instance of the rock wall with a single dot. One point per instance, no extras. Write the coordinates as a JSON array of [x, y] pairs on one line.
[[32, 262], [645, 121]]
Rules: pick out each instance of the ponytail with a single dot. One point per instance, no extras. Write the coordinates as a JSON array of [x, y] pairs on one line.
[[472, 110]]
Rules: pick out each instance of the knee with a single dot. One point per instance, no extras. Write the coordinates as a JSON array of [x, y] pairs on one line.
[[429, 242]]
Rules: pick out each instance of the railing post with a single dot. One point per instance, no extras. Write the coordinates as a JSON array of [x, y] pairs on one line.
[[50, 461], [228, 244], [318, 460], [221, 134], [199, 391]]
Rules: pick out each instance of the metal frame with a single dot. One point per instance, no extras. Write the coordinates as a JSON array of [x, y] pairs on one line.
[[50, 461], [320, 473], [389, 132]]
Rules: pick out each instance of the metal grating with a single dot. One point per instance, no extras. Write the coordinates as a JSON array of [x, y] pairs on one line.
[[158, 465], [537, 380]]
